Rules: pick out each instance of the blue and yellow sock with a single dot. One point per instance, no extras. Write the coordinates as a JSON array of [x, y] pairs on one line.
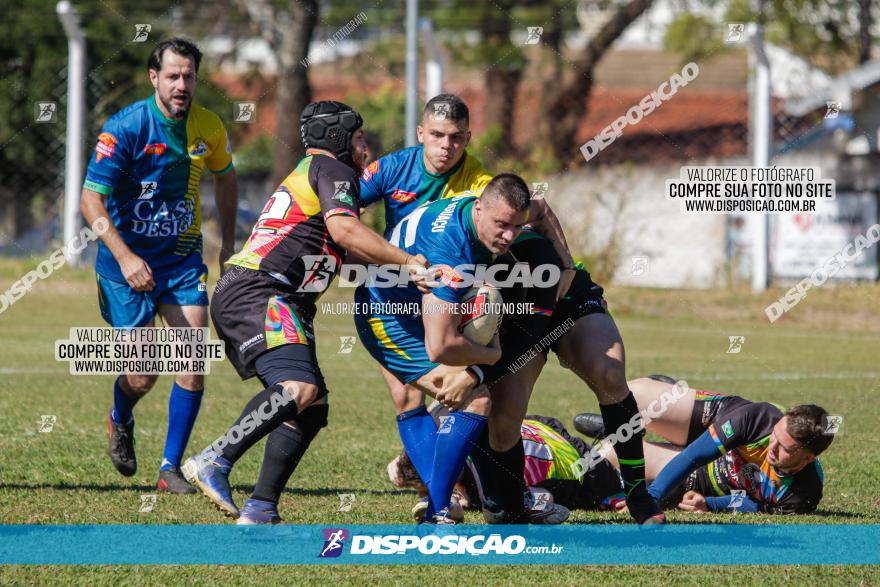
[[183, 407]]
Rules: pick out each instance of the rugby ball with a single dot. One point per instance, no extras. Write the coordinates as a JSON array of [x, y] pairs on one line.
[[481, 314]]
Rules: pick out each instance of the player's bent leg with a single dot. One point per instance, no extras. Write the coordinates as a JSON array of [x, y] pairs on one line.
[[666, 410], [594, 350], [285, 447], [405, 397], [209, 470], [510, 396], [499, 455]]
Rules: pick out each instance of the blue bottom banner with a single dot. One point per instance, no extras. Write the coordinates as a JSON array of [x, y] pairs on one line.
[[684, 544]]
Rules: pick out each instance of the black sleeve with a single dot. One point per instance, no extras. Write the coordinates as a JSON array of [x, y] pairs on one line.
[[337, 186], [745, 425]]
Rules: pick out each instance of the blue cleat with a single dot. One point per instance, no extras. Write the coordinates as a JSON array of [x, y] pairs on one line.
[[257, 511], [210, 473]]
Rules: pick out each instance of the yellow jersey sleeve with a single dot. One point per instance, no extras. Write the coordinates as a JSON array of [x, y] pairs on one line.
[[219, 157], [469, 180]]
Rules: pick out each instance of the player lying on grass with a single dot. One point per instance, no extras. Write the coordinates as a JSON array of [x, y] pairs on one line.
[[550, 472], [722, 445], [422, 350], [144, 179], [264, 311]]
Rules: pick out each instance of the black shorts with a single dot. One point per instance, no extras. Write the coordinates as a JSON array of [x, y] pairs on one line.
[[522, 336], [583, 298], [254, 314]]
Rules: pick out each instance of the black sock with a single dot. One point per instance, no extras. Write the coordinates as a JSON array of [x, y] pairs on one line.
[[285, 447], [263, 414], [630, 453], [501, 476]]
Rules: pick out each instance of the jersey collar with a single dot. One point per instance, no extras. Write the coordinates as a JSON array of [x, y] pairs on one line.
[[314, 151]]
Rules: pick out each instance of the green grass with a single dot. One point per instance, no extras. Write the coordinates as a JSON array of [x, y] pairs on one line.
[[819, 353]]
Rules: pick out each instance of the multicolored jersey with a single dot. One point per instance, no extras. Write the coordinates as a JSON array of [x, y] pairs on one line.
[[548, 454], [742, 436], [401, 180], [149, 166], [551, 453], [290, 240]]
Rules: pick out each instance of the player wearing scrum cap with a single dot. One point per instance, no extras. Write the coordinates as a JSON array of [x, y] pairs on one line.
[[264, 315]]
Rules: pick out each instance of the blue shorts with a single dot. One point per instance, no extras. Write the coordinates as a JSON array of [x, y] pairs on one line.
[[123, 307], [396, 342]]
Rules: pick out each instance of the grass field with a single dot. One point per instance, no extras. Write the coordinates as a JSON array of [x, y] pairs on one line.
[[824, 352]]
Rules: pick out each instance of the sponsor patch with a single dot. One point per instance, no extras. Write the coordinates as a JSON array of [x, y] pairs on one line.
[[105, 147], [155, 149], [344, 198], [402, 196], [371, 170]]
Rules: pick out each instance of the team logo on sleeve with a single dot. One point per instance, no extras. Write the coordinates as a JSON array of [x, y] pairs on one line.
[[334, 538], [105, 147], [155, 149], [727, 428], [319, 270], [198, 149], [341, 192], [148, 188], [371, 170]]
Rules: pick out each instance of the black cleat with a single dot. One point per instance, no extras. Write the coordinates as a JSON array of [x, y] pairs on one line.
[[173, 481], [645, 509], [663, 378], [121, 447], [590, 425]]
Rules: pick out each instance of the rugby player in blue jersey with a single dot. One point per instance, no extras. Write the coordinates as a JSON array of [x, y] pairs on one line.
[[422, 348], [144, 179], [588, 342]]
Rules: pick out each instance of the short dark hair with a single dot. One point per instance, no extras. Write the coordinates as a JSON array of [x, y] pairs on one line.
[[806, 424], [451, 106], [511, 188], [177, 45]]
